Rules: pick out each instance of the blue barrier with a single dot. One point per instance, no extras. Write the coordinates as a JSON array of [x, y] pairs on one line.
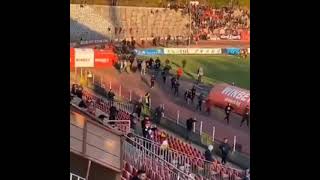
[[148, 52], [232, 51]]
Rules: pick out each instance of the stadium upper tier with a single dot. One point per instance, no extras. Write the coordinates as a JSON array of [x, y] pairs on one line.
[[90, 22]]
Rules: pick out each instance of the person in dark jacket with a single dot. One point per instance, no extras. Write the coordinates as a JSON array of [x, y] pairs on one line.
[[190, 124], [228, 110], [209, 159], [193, 93], [225, 148], [79, 92], [113, 113], [110, 95], [245, 116], [173, 82], [200, 100], [164, 76], [176, 88], [138, 109], [158, 114], [74, 89], [141, 175], [208, 154], [82, 104]]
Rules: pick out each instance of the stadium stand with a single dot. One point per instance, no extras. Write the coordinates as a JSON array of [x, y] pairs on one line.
[[92, 22]]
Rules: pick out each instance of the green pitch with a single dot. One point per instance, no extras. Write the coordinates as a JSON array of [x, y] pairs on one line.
[[217, 68]]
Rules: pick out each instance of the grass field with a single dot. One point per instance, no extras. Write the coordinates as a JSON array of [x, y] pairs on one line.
[[217, 68]]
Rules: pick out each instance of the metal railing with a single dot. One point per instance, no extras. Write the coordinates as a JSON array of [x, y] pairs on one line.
[[185, 162], [142, 157], [75, 177]]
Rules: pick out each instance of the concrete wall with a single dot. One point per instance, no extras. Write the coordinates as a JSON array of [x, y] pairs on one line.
[[92, 22]]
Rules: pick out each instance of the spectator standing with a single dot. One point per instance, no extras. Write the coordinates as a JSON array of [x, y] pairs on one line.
[[245, 116], [209, 159], [228, 110], [190, 123], [113, 113], [138, 109], [110, 95], [158, 114], [225, 148]]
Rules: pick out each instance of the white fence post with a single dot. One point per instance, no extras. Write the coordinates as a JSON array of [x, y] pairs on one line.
[[130, 95], [178, 116], [234, 143], [200, 127], [109, 84], [163, 110], [213, 133]]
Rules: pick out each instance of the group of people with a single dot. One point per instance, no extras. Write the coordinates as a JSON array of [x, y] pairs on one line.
[[245, 116], [208, 21]]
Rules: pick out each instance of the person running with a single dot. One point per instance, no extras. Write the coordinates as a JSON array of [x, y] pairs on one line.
[[225, 148], [245, 116], [228, 110]]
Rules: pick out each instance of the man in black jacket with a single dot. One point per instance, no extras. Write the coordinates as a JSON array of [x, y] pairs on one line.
[[113, 113], [228, 110], [190, 125], [225, 148], [245, 116]]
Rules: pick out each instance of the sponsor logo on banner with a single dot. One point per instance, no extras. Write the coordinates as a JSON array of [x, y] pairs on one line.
[[192, 51], [84, 58], [233, 51], [230, 37], [94, 41], [142, 52], [102, 60]]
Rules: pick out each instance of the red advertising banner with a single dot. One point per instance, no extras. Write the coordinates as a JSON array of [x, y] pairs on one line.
[[222, 94], [72, 56], [245, 35], [103, 58]]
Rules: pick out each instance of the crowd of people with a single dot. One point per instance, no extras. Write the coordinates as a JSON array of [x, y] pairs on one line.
[[207, 21]]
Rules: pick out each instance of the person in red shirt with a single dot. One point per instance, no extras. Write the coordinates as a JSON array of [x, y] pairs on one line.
[[179, 73]]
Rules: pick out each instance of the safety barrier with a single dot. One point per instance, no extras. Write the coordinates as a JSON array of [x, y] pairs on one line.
[[139, 155], [76, 177], [189, 163]]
